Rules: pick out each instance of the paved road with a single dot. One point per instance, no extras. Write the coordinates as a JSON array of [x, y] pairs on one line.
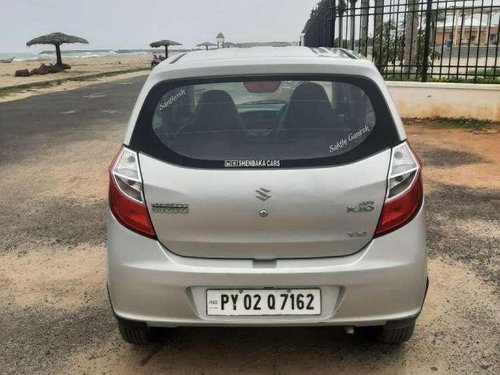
[[54, 151], [51, 120]]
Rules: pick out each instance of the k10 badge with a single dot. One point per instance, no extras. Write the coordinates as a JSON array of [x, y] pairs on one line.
[[367, 206]]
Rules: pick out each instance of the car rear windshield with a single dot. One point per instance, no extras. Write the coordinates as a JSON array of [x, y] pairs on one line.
[[264, 122]]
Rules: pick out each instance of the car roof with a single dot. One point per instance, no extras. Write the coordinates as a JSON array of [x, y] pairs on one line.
[[259, 55], [265, 52]]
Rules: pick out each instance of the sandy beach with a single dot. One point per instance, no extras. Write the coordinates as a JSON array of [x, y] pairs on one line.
[[80, 67]]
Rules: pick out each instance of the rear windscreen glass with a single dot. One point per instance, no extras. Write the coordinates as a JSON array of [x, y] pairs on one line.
[[263, 122]]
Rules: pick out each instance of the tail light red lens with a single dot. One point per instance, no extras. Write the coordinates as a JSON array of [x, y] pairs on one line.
[[405, 191], [401, 210], [126, 198]]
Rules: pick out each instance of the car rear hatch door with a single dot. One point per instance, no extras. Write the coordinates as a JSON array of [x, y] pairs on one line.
[[265, 167], [265, 214]]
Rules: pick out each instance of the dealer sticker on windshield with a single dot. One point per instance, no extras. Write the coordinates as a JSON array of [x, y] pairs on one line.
[[252, 163]]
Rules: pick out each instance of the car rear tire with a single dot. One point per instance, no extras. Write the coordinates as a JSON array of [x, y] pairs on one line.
[[137, 333], [395, 333]]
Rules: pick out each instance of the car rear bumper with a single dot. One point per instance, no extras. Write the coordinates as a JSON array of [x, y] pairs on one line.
[[386, 281]]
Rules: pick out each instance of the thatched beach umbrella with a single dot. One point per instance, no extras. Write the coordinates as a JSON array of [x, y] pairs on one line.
[[207, 45], [56, 39], [164, 43]]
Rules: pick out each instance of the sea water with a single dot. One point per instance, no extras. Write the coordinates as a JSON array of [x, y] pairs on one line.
[[26, 56]]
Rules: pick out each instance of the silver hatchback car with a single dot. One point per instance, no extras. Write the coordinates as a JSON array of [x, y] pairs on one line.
[[266, 187]]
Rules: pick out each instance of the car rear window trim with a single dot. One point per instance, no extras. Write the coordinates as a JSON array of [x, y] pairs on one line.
[[383, 136]]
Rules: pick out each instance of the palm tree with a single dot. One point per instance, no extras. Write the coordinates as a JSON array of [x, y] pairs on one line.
[[341, 9], [57, 39], [411, 29], [363, 40], [164, 43], [353, 22], [378, 32]]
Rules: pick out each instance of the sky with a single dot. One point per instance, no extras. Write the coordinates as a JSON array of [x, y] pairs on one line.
[[115, 24]]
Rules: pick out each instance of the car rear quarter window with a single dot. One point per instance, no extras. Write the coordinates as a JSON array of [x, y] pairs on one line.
[[264, 122]]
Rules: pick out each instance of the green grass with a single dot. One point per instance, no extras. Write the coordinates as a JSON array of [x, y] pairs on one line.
[[451, 79], [461, 123], [469, 79], [5, 91], [489, 75], [489, 72]]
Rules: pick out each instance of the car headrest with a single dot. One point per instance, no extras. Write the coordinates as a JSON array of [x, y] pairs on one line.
[[216, 111], [309, 107]]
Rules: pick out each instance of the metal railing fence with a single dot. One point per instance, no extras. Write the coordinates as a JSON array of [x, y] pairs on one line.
[[439, 40]]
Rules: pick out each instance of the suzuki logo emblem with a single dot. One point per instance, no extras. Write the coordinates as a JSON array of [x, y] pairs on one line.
[[263, 194]]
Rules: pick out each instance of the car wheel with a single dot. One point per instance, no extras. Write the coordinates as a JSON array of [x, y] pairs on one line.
[[396, 332], [137, 333]]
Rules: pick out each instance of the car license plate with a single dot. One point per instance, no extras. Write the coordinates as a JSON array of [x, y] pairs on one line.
[[263, 302]]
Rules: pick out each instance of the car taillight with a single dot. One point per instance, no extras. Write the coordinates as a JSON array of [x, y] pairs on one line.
[[404, 191], [126, 198]]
